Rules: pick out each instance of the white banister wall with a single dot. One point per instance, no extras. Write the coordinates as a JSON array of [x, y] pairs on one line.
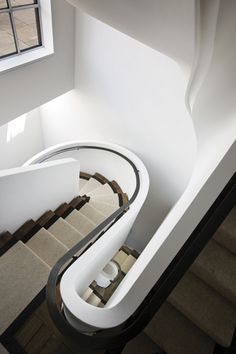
[[106, 163], [27, 192]]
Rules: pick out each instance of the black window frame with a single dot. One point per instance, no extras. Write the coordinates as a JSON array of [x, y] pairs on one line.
[[10, 10]]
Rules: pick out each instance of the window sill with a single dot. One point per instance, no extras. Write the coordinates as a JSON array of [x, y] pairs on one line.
[[29, 56], [12, 62]]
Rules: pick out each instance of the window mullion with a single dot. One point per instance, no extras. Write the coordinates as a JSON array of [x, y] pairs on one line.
[[13, 27]]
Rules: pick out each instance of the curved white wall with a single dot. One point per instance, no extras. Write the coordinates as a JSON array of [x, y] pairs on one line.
[[213, 88], [213, 111], [132, 95]]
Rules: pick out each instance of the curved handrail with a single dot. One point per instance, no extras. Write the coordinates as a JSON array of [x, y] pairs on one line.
[[58, 318]]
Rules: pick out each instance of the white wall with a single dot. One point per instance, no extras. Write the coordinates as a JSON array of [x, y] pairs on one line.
[[19, 142], [28, 86], [165, 25], [28, 192], [132, 95]]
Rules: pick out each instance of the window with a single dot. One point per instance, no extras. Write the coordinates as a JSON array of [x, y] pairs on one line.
[[19, 25], [25, 31]]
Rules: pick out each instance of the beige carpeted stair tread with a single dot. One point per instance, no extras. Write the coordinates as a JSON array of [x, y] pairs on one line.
[[175, 334], [94, 300], [92, 213], [65, 233], [128, 263], [226, 234], [226, 240], [91, 185], [82, 182], [111, 199], [217, 267], [86, 294], [22, 277], [205, 308], [104, 189], [47, 247], [124, 258], [80, 222], [120, 257], [104, 208]]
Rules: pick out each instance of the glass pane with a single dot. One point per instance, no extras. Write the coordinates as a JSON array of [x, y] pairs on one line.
[[22, 2], [3, 4], [7, 43], [26, 28]]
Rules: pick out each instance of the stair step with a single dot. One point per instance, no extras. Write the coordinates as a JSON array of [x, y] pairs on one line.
[[175, 334], [38, 342], [65, 233], [128, 263], [80, 222], [5, 237], [63, 210], [28, 330], [120, 257], [226, 234], [22, 277], [6, 241], [46, 218], [85, 175], [47, 247], [104, 208], [106, 293], [82, 182], [115, 187], [93, 214], [103, 189], [111, 199], [205, 308], [129, 250], [217, 267], [78, 202], [124, 260], [86, 294], [100, 178], [125, 198], [91, 184], [27, 230], [94, 300]]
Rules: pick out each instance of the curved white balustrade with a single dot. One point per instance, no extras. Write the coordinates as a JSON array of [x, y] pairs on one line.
[[201, 192], [79, 276]]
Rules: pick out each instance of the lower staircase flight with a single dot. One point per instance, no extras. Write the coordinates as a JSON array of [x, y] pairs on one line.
[[28, 254]]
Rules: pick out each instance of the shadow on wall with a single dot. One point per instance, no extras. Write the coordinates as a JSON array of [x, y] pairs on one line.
[[20, 139], [214, 110]]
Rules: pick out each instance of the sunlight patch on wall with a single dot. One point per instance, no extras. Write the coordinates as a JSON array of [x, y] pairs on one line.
[[16, 127]]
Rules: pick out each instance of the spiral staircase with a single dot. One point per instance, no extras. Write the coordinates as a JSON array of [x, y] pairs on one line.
[[43, 252], [181, 286]]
